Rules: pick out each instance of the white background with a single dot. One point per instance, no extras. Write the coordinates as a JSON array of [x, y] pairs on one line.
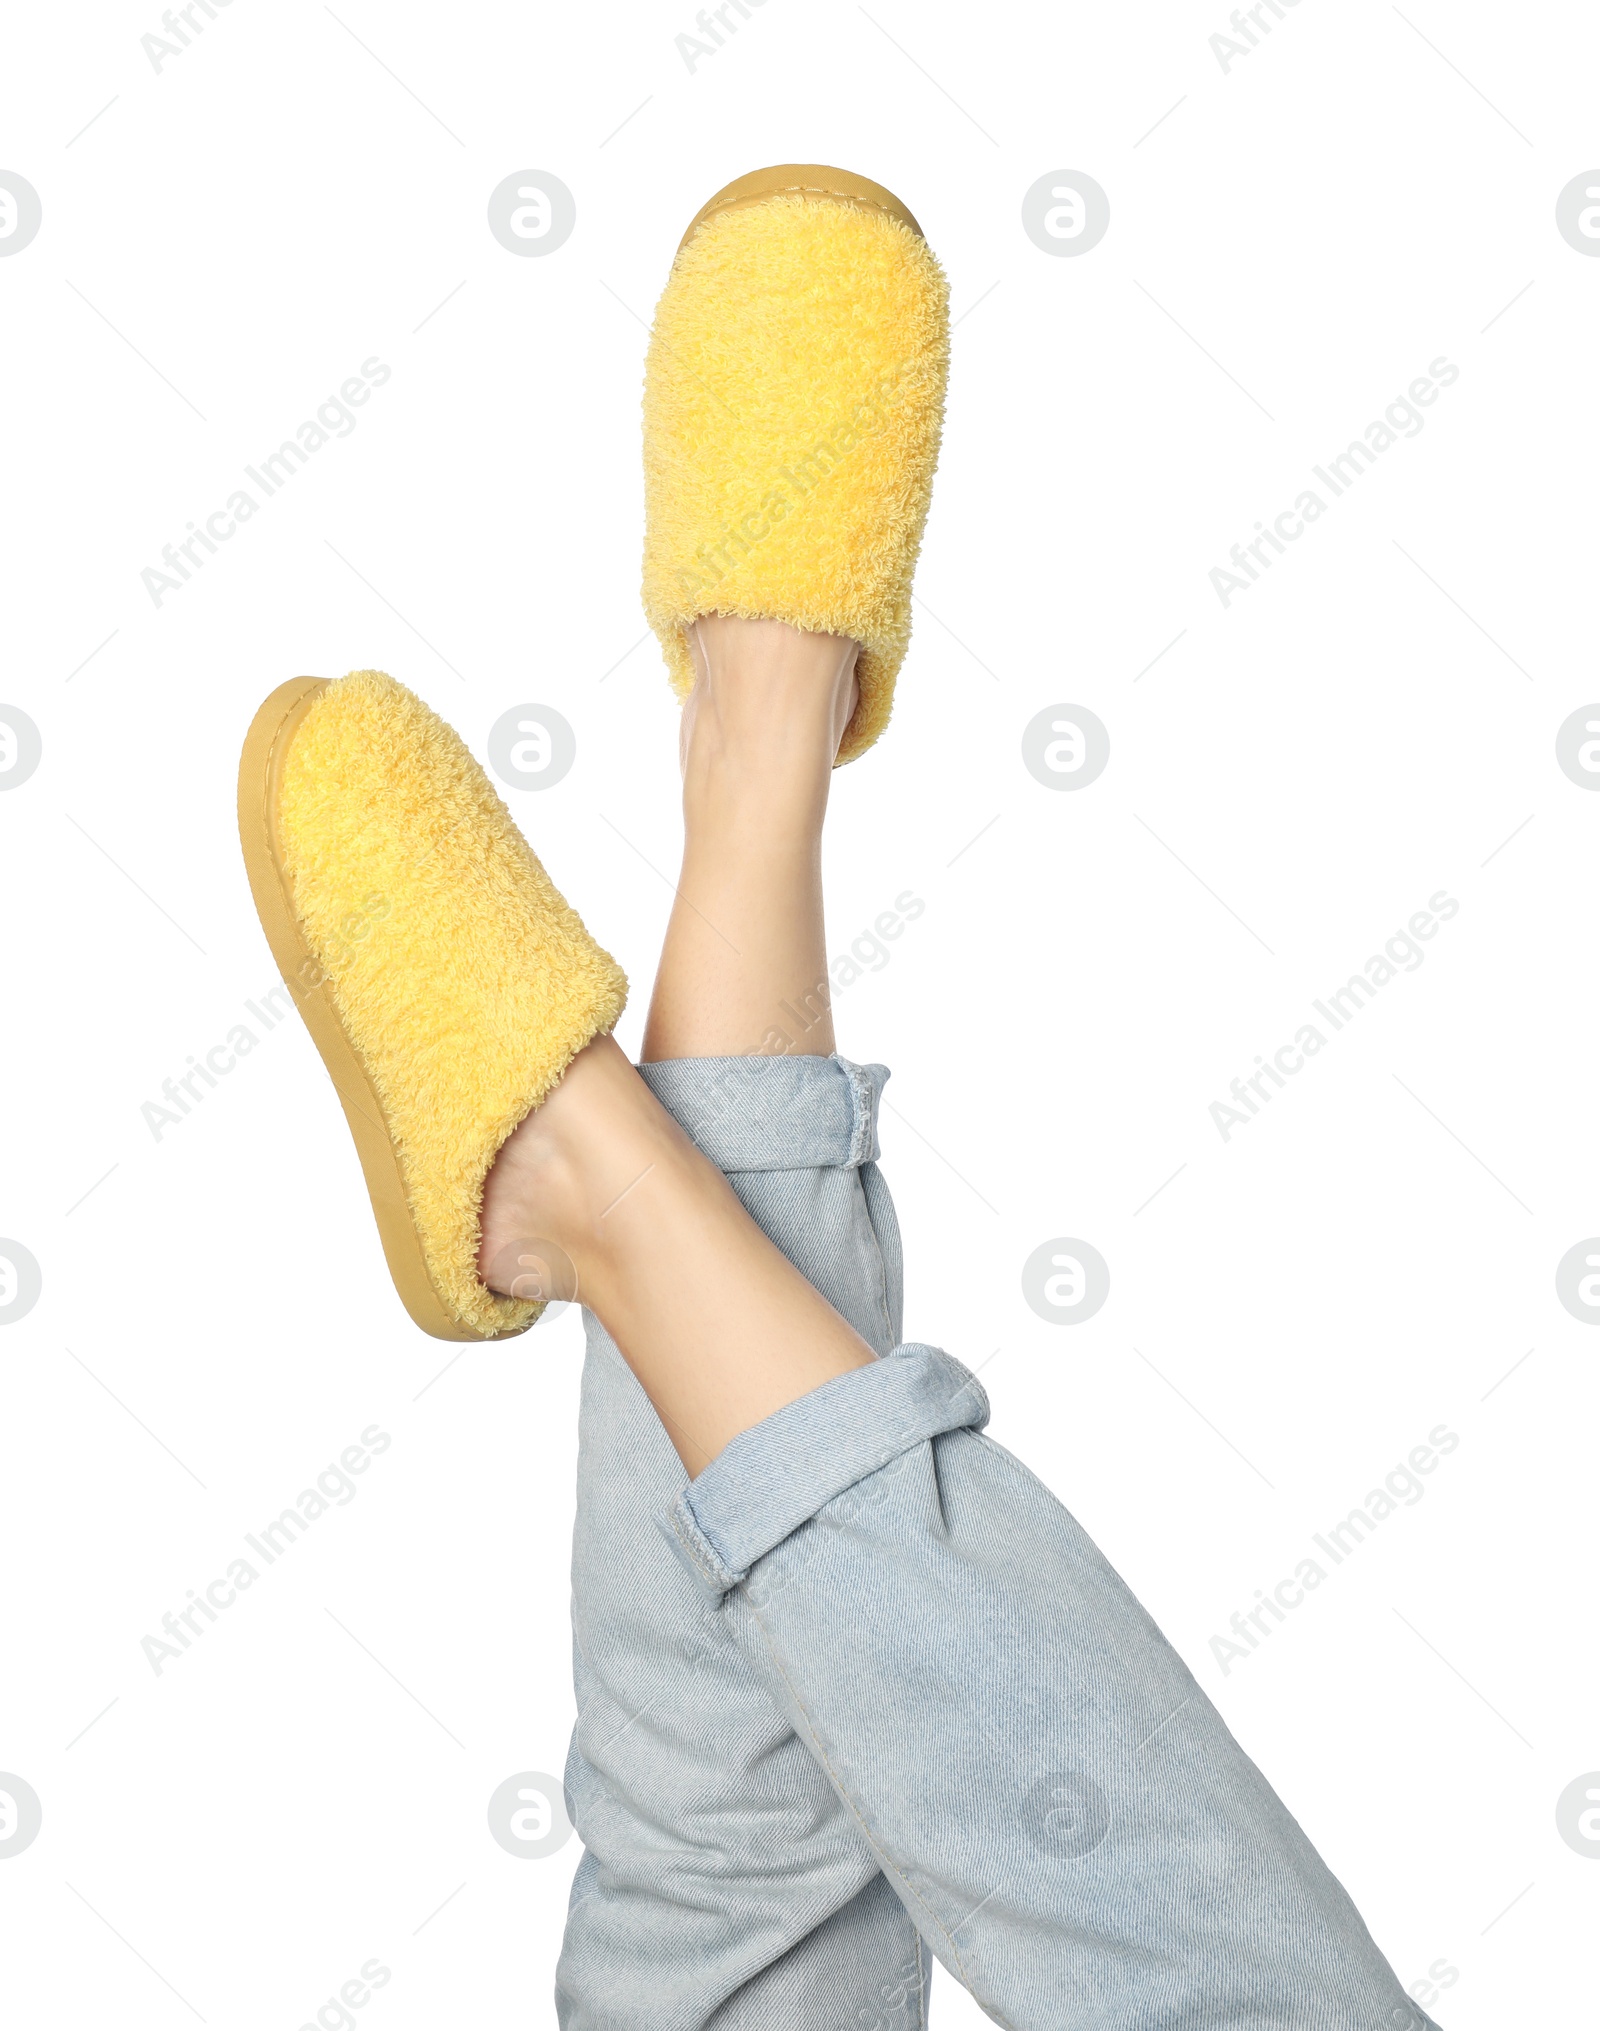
[[1373, 1256]]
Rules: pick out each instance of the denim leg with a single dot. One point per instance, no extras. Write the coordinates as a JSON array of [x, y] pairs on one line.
[[1060, 1808], [723, 1885]]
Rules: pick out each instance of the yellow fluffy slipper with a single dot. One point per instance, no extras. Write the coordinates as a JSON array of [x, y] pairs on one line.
[[444, 980], [794, 391]]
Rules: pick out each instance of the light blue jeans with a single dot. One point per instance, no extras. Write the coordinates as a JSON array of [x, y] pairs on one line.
[[863, 1690]]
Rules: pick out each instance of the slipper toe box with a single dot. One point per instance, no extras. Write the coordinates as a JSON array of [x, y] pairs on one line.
[[794, 394]]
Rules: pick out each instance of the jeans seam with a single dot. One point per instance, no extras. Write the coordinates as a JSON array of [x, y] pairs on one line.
[[712, 1578], [883, 1267], [885, 1861]]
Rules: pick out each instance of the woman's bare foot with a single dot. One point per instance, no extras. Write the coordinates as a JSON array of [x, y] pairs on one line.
[[720, 1329]]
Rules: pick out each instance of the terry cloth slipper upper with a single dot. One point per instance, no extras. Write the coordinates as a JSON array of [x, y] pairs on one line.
[[794, 391], [444, 980]]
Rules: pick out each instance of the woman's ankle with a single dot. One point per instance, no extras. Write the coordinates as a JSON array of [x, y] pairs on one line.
[[762, 727], [563, 1169], [718, 1327]]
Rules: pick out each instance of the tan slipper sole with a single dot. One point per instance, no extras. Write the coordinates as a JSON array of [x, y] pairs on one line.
[[801, 179]]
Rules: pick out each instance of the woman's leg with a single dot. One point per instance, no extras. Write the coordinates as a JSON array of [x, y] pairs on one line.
[[1048, 1791], [744, 967], [1063, 1813], [723, 1883]]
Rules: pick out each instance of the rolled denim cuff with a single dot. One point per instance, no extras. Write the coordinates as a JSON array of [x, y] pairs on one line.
[[773, 1478], [773, 1114]]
